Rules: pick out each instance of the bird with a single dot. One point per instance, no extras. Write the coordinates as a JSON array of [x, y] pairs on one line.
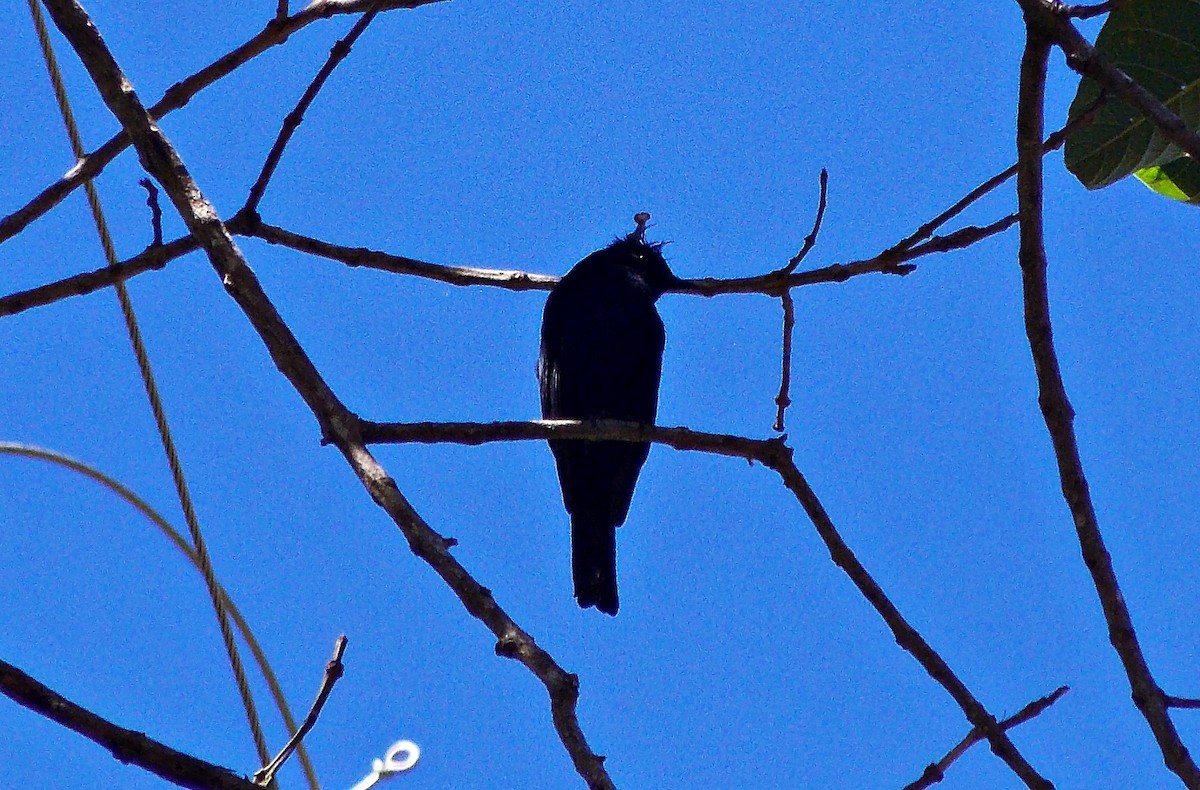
[[601, 358]]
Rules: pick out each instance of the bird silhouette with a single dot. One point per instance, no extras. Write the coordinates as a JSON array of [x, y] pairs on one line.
[[601, 358]]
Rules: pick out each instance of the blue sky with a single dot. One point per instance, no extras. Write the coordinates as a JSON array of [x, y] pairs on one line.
[[525, 136]]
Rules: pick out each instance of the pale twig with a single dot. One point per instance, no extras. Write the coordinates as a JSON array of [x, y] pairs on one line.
[[334, 669]]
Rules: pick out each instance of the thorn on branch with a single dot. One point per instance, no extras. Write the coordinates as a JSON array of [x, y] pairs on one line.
[[155, 210]]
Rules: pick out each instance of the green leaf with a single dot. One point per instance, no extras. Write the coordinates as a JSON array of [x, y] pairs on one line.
[[1178, 180], [1157, 43]]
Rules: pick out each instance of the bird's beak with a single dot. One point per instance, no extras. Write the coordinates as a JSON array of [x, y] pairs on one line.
[[681, 286]]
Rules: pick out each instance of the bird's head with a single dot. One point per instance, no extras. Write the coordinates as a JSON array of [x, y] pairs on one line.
[[647, 261]]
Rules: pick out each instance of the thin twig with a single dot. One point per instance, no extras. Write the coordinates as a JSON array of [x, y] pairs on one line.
[[185, 547], [811, 239], [292, 121], [334, 669], [1059, 415], [155, 210], [936, 772], [337, 423], [281, 10], [783, 399], [127, 746], [276, 32], [1052, 143], [1182, 702], [398, 264], [155, 257]]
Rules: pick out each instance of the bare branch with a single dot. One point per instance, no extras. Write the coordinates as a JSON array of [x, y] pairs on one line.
[[334, 669], [1053, 143], [1089, 11], [773, 284], [359, 256], [337, 423], [276, 32], [775, 455], [476, 433], [155, 257], [126, 745], [291, 123], [1183, 702], [936, 772], [1059, 415]]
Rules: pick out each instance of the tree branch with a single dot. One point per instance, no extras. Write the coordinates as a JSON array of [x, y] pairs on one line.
[[936, 772], [276, 32], [1040, 15], [292, 121], [338, 424], [775, 455], [126, 745], [1059, 415]]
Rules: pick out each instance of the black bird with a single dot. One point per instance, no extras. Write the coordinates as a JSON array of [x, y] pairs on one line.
[[601, 358]]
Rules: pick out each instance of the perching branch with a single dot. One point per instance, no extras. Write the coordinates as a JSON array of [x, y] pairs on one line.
[[1059, 415], [338, 425], [126, 745], [777, 456], [250, 225]]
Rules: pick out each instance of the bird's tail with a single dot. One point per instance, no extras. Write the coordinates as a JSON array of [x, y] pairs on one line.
[[594, 562]]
